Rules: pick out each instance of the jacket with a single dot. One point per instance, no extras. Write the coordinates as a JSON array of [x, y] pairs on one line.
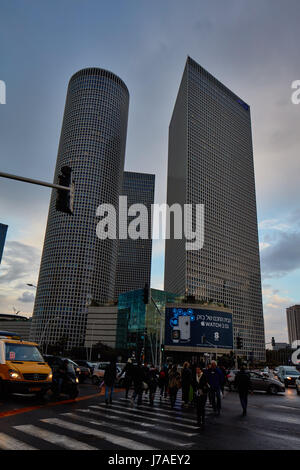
[[215, 378], [243, 381]]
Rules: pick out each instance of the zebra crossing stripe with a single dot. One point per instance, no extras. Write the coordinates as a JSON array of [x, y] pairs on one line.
[[10, 443], [155, 412], [63, 441], [103, 423], [101, 413], [149, 435], [135, 414], [165, 412], [117, 440], [115, 418]]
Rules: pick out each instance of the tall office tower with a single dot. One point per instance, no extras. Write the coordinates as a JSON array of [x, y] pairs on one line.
[[77, 266], [134, 257], [293, 322], [3, 231], [211, 163]]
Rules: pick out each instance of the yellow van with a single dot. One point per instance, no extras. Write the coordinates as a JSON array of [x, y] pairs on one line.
[[22, 367]]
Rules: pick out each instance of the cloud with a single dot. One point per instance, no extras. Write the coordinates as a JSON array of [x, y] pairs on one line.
[[275, 305], [20, 261], [281, 257], [26, 297]]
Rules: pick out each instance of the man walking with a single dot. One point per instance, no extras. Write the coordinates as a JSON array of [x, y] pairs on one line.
[[186, 380], [109, 378], [243, 385], [215, 380]]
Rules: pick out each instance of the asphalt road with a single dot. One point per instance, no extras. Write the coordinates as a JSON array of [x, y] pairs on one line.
[[88, 424]]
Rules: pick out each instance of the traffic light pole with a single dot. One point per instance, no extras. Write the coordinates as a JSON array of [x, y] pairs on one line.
[[32, 181], [160, 333]]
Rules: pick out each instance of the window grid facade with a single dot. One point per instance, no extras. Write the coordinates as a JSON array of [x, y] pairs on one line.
[[211, 163], [76, 265], [134, 256]]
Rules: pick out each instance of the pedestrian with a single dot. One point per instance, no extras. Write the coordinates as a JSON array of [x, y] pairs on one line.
[[162, 382], [243, 385], [186, 380], [152, 383], [138, 381], [109, 378], [174, 384], [201, 388], [128, 371], [224, 372], [215, 380]]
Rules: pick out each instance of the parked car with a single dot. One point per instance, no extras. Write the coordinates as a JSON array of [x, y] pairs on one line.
[[297, 383], [98, 374], [86, 364], [288, 375], [260, 382], [55, 361]]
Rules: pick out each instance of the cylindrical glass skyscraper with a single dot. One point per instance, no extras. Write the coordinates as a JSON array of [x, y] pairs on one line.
[[76, 266]]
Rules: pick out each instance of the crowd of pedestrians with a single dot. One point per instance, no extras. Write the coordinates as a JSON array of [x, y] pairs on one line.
[[199, 384]]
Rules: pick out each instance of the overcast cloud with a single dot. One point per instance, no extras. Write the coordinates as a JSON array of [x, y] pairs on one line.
[[251, 46]]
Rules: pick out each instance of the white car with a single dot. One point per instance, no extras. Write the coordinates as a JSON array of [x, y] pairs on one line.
[[98, 373]]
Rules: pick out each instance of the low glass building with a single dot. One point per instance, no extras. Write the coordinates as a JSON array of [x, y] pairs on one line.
[[140, 327]]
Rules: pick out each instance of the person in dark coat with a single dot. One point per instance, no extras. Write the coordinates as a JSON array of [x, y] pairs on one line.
[[215, 380], [201, 388], [109, 378], [152, 383], [186, 380], [138, 378], [243, 385], [128, 371], [174, 384]]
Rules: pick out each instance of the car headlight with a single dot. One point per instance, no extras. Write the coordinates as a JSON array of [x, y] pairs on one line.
[[50, 376], [14, 374], [289, 378], [77, 380]]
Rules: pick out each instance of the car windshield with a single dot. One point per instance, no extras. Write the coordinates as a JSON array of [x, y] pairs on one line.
[[22, 352], [292, 372]]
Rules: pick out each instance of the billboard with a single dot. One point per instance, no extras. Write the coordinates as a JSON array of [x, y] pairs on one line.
[[197, 327]]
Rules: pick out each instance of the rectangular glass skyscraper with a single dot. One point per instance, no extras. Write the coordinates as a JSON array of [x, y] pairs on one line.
[[3, 231], [134, 256], [211, 162]]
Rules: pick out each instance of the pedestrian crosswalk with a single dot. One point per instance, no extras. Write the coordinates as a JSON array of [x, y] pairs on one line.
[[118, 426]]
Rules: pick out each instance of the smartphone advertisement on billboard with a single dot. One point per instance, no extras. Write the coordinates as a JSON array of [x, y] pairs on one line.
[[198, 328]]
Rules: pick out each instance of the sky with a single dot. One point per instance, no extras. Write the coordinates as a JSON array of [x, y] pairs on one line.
[[250, 46]]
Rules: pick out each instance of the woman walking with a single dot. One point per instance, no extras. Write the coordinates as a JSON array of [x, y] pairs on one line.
[[174, 384], [201, 388]]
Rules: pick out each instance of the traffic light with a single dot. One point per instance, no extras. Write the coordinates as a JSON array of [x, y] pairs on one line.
[[273, 341], [162, 347], [239, 342], [64, 198], [146, 294]]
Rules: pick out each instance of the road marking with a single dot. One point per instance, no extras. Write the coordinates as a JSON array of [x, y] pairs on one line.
[[131, 413], [103, 423], [155, 412], [148, 435], [114, 418], [117, 440], [10, 443], [63, 441]]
